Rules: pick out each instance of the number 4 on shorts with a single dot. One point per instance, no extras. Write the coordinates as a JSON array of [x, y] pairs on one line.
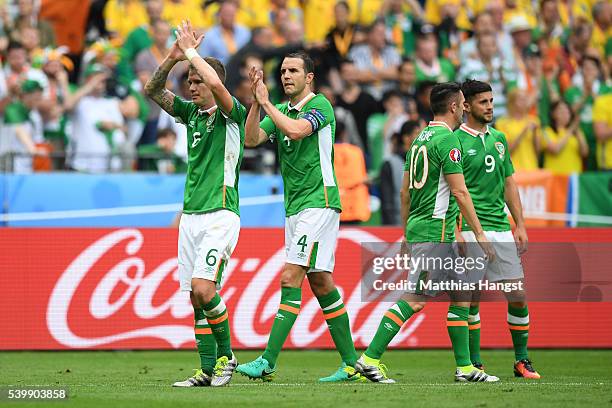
[[302, 243]]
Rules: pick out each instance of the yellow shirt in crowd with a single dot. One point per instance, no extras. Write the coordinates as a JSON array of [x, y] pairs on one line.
[[568, 160], [123, 16], [602, 112], [524, 157]]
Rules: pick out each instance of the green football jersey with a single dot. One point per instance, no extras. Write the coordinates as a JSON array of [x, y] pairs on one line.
[[433, 210], [215, 142], [486, 164], [307, 165]]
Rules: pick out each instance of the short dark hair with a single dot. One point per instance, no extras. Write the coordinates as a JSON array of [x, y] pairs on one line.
[[391, 93], [344, 4], [409, 126], [441, 95], [308, 62], [216, 65], [591, 58], [14, 45], [162, 133], [551, 113], [472, 87]]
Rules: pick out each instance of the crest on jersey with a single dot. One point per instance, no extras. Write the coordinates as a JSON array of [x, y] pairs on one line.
[[500, 148], [455, 155]]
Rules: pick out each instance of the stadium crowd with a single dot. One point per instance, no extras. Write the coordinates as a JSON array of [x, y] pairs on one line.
[[73, 72]]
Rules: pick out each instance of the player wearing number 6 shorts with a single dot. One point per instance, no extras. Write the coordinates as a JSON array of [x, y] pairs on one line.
[[488, 175], [432, 190], [210, 223], [304, 131]]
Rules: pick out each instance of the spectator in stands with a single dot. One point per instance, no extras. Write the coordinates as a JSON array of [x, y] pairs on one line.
[[541, 87], [17, 68], [520, 30], [496, 9], [25, 126], [406, 79], [392, 172], [450, 36], [98, 125], [482, 25], [342, 36], [247, 61], [30, 39], [402, 23], [422, 99], [27, 17], [161, 156], [602, 25], [55, 64], [361, 104], [339, 41], [602, 126], [139, 39], [576, 48], [587, 85], [261, 44], [175, 11], [134, 106], [147, 62], [350, 169], [343, 115], [123, 16], [376, 62], [564, 144], [522, 132], [491, 68], [396, 115], [224, 39], [430, 67]]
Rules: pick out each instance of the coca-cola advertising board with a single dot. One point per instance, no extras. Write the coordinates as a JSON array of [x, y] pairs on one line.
[[118, 289]]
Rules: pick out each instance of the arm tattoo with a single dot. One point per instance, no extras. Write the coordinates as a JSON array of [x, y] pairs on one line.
[[155, 89]]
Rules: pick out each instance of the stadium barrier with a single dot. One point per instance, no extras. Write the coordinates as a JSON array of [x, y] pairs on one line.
[[94, 288]]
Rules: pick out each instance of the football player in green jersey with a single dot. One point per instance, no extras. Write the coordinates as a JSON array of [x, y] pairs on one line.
[[304, 130], [488, 175], [210, 224], [433, 192]]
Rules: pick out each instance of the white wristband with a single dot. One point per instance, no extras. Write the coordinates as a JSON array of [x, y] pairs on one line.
[[190, 53]]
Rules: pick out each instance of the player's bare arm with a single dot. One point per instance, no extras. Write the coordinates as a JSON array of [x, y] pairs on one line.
[[186, 40], [155, 88], [405, 198], [513, 200], [466, 206], [294, 129]]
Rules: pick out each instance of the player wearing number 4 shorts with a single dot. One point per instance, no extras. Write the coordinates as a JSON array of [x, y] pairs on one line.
[[210, 223], [432, 190], [304, 130], [488, 175]]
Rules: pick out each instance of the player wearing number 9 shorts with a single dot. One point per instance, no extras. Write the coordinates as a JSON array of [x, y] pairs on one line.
[[488, 174]]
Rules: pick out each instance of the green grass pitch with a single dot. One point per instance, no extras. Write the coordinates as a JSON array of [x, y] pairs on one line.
[[142, 379]]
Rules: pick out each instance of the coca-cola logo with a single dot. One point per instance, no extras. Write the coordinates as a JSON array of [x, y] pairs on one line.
[[251, 291]]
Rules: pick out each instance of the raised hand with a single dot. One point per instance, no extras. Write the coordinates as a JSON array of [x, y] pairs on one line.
[[186, 37], [259, 89]]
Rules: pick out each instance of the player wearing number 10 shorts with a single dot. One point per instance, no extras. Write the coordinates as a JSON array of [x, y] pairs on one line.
[[304, 131], [433, 188]]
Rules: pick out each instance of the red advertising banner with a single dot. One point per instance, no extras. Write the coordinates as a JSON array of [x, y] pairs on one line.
[[118, 289]]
